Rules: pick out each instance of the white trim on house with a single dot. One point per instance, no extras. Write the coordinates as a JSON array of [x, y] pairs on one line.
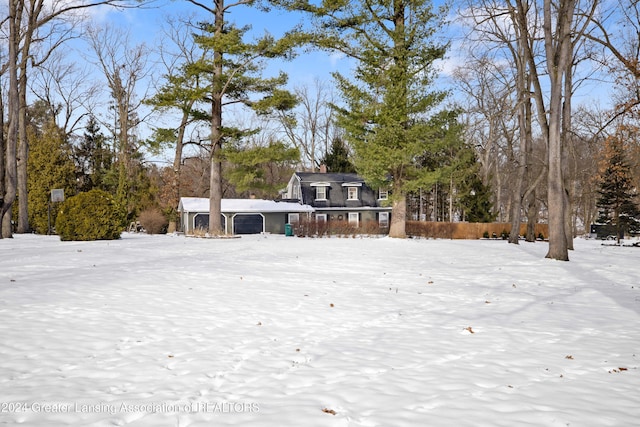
[[198, 205], [293, 218], [233, 220], [383, 219], [354, 219], [201, 204], [353, 193], [321, 193]]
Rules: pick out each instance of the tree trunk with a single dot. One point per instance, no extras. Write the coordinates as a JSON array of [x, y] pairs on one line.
[[215, 192], [2, 158], [177, 168], [556, 196], [532, 217], [215, 182], [33, 15], [558, 50], [23, 154], [397, 227], [523, 93], [566, 135], [11, 169]]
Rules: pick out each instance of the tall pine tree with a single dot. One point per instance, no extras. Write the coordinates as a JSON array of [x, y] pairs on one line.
[[93, 158], [616, 201], [388, 101], [234, 72], [337, 158]]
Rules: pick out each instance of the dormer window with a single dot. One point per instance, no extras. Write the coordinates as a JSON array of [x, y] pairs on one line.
[[352, 190], [383, 194], [321, 189], [321, 193], [352, 193]]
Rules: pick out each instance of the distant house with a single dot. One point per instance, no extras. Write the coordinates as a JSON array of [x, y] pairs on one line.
[[240, 216], [339, 197]]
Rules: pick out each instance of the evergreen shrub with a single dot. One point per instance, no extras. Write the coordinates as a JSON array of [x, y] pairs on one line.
[[94, 215]]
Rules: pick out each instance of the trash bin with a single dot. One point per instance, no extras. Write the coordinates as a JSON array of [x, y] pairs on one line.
[[288, 230]]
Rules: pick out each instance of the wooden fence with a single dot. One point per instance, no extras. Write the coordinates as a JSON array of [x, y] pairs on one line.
[[468, 230]]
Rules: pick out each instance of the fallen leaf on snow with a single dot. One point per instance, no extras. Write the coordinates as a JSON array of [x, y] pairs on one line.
[[470, 330], [328, 411]]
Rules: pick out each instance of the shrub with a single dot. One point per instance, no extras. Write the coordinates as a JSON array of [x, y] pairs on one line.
[[485, 235], [94, 215], [153, 221]]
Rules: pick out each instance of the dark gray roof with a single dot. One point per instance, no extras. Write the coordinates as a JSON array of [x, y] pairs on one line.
[[336, 192], [329, 177]]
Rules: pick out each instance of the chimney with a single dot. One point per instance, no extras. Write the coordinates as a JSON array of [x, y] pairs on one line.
[[323, 168]]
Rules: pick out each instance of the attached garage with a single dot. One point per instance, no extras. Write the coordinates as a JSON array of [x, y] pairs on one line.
[[240, 216], [248, 224], [201, 221]]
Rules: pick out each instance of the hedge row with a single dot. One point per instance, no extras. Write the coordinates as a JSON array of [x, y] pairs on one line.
[[468, 230]]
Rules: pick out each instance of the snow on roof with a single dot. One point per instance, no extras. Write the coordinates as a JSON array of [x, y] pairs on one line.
[[201, 204]]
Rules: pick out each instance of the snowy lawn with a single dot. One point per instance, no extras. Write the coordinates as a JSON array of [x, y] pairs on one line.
[[283, 331]]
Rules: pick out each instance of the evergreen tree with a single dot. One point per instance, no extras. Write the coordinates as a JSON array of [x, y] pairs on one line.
[[93, 158], [233, 69], [387, 104], [337, 158], [616, 201], [473, 195], [50, 167], [476, 200], [261, 170]]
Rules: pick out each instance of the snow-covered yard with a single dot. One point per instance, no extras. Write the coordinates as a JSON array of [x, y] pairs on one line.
[[283, 331]]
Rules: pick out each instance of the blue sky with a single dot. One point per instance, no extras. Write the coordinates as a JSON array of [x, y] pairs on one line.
[[144, 24]]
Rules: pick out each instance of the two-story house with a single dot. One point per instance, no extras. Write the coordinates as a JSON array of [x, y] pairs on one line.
[[339, 197]]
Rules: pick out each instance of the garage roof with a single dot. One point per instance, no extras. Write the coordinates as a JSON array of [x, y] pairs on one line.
[[201, 204]]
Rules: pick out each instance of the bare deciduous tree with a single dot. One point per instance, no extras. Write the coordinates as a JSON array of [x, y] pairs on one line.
[[66, 89], [311, 127], [124, 67], [36, 28]]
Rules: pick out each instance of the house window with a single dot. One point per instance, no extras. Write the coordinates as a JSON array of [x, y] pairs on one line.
[[321, 193], [321, 218], [352, 193], [296, 192], [354, 219], [383, 219], [294, 218], [383, 194]]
